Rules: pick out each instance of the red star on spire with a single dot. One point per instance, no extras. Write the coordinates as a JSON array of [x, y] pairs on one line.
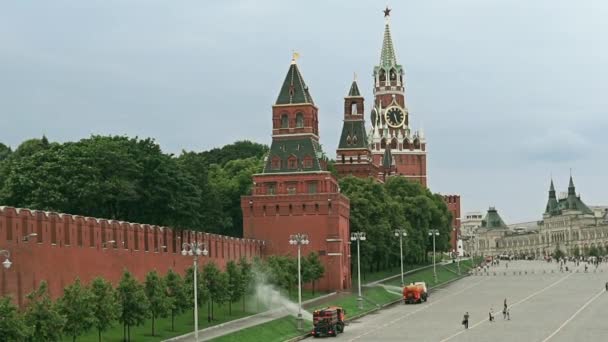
[[387, 12]]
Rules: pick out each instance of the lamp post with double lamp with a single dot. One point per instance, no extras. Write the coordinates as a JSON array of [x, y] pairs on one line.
[[401, 233], [299, 240], [7, 262], [456, 250], [358, 236], [195, 249], [433, 233]]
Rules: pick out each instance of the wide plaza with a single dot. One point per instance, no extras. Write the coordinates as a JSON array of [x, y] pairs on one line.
[[545, 305]]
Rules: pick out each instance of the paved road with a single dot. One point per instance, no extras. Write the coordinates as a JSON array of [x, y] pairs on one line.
[[546, 305]]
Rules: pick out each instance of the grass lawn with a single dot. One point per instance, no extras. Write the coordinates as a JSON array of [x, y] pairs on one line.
[[184, 323], [284, 328], [367, 277], [277, 330]]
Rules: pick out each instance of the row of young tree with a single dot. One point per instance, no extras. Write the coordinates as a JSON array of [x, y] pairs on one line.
[[378, 209], [100, 306], [132, 179]]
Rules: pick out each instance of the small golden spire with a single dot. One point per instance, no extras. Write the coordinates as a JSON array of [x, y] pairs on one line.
[[294, 57]]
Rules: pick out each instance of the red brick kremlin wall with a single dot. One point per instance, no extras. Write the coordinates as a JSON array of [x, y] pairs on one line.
[[68, 247]]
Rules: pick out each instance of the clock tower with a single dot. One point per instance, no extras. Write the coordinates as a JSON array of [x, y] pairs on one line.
[[390, 118]]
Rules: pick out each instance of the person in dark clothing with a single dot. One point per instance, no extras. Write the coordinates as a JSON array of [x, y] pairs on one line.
[[607, 286], [465, 320]]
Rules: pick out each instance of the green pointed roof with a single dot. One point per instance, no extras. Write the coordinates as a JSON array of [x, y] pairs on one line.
[[552, 204], [353, 135], [571, 188], [300, 149], [387, 56], [294, 89], [387, 158], [493, 220], [354, 90]]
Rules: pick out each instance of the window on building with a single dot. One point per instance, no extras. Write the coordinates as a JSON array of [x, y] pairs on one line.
[[299, 120], [312, 187], [292, 163], [291, 189], [353, 108], [307, 162], [275, 163], [383, 143], [270, 188], [284, 121]]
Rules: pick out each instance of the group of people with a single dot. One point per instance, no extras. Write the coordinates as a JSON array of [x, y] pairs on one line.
[[506, 314]]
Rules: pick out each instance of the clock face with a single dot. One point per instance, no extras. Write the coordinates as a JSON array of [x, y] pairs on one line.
[[395, 117]]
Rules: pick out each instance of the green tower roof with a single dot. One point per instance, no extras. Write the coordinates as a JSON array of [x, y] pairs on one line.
[[493, 220], [294, 89], [387, 56], [353, 135], [354, 90], [387, 159]]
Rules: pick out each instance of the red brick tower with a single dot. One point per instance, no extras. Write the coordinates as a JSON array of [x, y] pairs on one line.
[[390, 117], [354, 156], [453, 203], [295, 193]]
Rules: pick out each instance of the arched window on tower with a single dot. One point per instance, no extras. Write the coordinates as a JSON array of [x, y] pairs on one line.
[[394, 143], [416, 143], [383, 143], [299, 120], [393, 75], [382, 75], [353, 108], [406, 144], [284, 121]]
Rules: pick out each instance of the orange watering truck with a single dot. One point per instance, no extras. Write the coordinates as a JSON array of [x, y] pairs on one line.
[[328, 321], [415, 293]]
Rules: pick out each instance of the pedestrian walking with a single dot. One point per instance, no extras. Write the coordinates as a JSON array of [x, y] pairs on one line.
[[508, 314], [491, 314], [465, 320], [504, 313]]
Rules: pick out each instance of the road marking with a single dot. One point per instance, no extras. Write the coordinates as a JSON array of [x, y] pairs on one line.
[[574, 315], [424, 307], [515, 304]]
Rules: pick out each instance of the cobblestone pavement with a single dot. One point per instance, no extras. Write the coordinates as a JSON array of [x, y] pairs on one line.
[[545, 305]]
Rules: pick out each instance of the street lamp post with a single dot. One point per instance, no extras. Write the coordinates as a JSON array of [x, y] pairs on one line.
[[7, 262], [401, 233], [457, 236], [299, 240], [358, 236], [433, 233], [195, 249]]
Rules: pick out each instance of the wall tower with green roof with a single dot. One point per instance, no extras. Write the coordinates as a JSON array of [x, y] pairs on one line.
[[295, 193], [353, 156]]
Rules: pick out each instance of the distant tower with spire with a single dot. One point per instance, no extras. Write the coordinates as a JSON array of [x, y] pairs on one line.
[[390, 118], [354, 157]]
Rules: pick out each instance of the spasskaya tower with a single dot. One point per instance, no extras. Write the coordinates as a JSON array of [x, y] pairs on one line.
[[392, 134]]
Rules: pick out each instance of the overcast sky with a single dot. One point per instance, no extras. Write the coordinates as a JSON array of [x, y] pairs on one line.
[[508, 91]]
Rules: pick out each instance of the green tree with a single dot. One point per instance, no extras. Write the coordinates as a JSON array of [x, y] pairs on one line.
[[76, 306], [42, 316], [215, 283], [5, 152], [576, 252], [247, 279], [133, 302], [313, 269], [283, 271], [156, 291], [235, 287], [106, 306], [594, 251], [176, 293], [12, 325], [558, 253]]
